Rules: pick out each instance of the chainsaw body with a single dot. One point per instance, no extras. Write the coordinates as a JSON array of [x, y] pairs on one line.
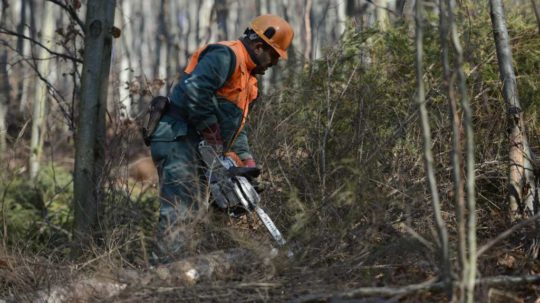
[[231, 188]]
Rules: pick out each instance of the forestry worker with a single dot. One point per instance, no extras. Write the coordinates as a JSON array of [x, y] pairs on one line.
[[210, 102]]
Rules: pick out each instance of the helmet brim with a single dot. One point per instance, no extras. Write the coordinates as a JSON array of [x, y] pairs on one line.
[[281, 52]]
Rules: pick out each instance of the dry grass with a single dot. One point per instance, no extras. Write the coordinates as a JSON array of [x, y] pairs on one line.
[[340, 147]]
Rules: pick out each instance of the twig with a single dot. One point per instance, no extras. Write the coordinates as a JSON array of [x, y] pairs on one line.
[[65, 56], [418, 237], [71, 12], [505, 234], [53, 92]]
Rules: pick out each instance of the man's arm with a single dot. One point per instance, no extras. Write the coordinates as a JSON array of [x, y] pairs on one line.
[[216, 65], [241, 146]]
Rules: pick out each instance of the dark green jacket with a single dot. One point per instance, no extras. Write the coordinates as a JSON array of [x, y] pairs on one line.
[[195, 95]]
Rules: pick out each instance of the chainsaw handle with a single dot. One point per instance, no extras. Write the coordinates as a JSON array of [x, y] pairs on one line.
[[247, 172]]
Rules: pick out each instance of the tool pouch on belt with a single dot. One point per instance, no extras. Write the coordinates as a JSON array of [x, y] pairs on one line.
[[158, 106]]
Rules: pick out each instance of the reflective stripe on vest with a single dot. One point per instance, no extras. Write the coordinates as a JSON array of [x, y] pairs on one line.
[[241, 88]]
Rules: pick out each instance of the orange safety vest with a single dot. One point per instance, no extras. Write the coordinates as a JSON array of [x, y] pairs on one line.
[[241, 89]]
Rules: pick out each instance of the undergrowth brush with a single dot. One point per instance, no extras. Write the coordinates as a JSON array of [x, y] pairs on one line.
[[340, 144]]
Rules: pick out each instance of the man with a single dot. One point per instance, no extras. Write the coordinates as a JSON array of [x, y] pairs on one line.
[[211, 102]]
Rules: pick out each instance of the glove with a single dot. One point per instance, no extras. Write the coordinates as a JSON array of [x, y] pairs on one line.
[[235, 158], [212, 136], [249, 163]]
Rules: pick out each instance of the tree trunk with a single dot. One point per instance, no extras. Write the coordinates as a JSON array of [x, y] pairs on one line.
[[382, 14], [162, 38], [40, 96], [469, 279], [21, 43], [89, 154], [4, 86], [445, 23], [400, 7], [307, 31], [521, 179], [27, 84], [536, 8], [125, 74], [444, 257], [350, 8], [222, 13], [173, 44], [198, 23]]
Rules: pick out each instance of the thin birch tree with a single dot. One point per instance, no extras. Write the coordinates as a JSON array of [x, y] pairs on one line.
[[126, 58], [536, 8], [381, 14], [521, 187], [307, 31], [455, 121], [4, 85], [22, 45], [222, 14], [444, 258], [161, 40], [40, 95], [470, 268]]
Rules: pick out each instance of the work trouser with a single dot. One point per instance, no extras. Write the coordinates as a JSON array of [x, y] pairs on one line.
[[180, 178]]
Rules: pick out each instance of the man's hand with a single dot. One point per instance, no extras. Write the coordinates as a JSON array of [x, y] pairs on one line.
[[249, 163], [212, 136]]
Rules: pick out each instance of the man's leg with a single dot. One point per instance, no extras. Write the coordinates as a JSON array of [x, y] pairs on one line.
[[180, 191]]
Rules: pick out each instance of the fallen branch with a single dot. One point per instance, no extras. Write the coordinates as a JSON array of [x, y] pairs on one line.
[[505, 234], [84, 290], [429, 285], [187, 272], [199, 268]]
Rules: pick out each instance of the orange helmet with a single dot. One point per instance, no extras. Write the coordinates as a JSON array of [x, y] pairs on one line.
[[275, 31]]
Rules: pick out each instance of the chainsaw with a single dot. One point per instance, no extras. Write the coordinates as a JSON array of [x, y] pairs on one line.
[[231, 188]]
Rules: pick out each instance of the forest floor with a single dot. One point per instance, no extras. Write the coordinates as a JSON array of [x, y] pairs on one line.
[[233, 262]]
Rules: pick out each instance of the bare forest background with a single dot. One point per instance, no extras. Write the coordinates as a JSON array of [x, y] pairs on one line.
[[399, 144]]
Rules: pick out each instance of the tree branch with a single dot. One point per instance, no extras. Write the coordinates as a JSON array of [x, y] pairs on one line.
[[71, 12], [65, 56], [53, 92], [505, 234]]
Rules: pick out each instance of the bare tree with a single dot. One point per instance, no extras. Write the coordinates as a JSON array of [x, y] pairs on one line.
[[222, 14], [4, 84], [89, 155], [521, 178], [470, 273], [21, 48], [173, 43], [307, 30], [442, 233], [445, 23], [40, 95], [381, 14], [536, 8], [162, 40], [126, 58]]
